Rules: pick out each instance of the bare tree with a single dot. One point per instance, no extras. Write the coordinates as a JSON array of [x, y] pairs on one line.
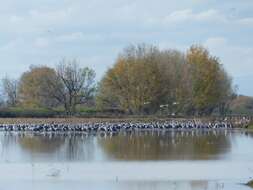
[[10, 88], [79, 83]]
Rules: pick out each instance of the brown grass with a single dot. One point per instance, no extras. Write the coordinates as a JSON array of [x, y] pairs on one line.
[[68, 120], [85, 120]]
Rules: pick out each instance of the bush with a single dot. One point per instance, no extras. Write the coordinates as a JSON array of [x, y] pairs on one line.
[[250, 183], [25, 112]]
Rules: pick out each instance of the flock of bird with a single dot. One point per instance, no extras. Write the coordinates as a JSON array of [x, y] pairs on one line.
[[115, 127]]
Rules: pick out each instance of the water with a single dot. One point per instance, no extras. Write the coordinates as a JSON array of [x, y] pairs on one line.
[[221, 159]]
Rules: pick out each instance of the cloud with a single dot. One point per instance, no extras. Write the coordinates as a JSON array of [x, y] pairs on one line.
[[43, 31], [215, 42], [206, 17], [70, 37], [58, 15], [41, 42], [16, 19], [246, 21], [12, 45], [189, 15], [77, 37], [237, 59]]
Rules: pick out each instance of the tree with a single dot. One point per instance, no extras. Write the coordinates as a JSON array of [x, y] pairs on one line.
[[133, 82], [79, 84], [68, 85], [176, 81], [227, 92], [211, 85], [40, 87], [10, 88], [144, 78]]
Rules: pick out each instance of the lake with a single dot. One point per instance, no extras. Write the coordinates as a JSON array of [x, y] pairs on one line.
[[151, 160]]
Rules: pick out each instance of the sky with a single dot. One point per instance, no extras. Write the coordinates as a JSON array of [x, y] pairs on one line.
[[43, 32]]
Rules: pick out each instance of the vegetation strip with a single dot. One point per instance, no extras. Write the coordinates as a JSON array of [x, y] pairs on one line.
[[143, 80], [250, 183]]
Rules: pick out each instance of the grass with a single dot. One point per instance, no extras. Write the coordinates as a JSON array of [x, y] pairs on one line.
[[14, 112], [250, 127], [74, 120], [250, 183]]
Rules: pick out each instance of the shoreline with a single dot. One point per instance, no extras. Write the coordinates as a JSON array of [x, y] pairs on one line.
[[114, 126], [73, 119]]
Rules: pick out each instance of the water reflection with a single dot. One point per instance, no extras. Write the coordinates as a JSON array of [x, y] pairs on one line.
[[46, 147], [170, 145], [179, 145], [35, 143]]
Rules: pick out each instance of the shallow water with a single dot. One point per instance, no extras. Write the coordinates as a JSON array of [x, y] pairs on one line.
[[221, 159]]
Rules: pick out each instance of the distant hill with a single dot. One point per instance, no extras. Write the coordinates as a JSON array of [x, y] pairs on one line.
[[242, 105]]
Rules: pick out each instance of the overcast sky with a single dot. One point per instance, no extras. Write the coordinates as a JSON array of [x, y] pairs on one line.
[[95, 31]]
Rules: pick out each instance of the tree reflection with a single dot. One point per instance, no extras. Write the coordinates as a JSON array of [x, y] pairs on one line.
[[38, 143], [180, 145], [79, 147], [170, 145], [68, 146]]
